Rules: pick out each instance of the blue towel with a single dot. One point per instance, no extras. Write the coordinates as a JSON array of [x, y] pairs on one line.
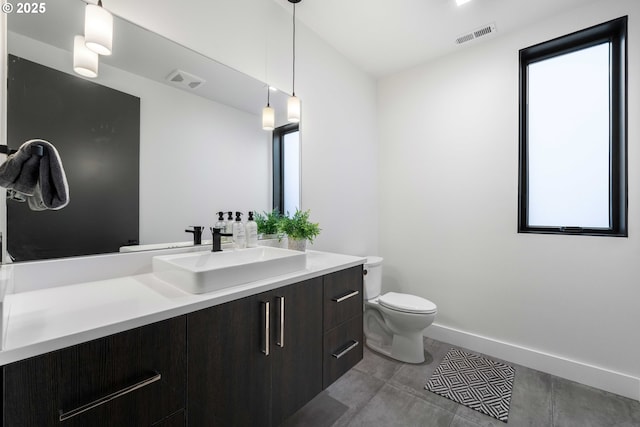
[[40, 180]]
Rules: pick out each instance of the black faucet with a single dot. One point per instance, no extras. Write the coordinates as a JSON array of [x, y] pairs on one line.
[[217, 234], [197, 234]]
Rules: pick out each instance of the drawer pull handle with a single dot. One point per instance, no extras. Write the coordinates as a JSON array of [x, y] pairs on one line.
[[265, 349], [346, 296], [346, 349], [108, 398], [280, 341]]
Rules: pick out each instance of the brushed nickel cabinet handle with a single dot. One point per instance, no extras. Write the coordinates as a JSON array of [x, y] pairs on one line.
[[280, 340], [108, 398], [346, 349], [346, 296], [265, 350]]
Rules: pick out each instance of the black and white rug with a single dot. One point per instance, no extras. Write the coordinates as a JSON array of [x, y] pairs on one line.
[[474, 381]]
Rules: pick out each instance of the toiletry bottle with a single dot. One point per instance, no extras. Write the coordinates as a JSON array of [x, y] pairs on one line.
[[220, 223], [252, 231], [229, 227], [239, 235]]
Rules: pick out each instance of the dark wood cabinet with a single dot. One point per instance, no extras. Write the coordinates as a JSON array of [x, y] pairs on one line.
[[66, 386], [342, 349], [342, 301], [228, 374], [255, 361], [175, 420], [297, 361], [249, 362], [342, 296]]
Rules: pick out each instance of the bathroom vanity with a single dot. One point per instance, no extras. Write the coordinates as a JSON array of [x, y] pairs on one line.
[[136, 351]]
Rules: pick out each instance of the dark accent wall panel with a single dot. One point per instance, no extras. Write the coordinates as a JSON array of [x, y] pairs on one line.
[[96, 130]]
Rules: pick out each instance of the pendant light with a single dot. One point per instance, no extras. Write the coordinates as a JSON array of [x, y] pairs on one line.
[[293, 103], [268, 114], [85, 61], [98, 28]]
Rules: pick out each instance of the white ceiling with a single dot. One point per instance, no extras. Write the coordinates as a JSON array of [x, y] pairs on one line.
[[386, 36]]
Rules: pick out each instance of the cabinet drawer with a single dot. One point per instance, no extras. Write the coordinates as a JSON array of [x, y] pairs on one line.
[[342, 349], [342, 296], [136, 377]]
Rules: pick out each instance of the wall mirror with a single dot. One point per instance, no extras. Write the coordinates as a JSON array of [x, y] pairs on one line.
[[201, 145]]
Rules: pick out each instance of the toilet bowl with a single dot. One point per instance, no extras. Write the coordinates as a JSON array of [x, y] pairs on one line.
[[394, 322]]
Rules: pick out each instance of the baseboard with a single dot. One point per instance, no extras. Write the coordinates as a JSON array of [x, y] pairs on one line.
[[594, 376]]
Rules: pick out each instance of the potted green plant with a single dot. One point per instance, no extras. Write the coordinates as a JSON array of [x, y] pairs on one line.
[[268, 224], [299, 229], [269, 232]]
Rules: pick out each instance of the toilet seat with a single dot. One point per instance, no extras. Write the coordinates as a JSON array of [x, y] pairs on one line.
[[407, 303]]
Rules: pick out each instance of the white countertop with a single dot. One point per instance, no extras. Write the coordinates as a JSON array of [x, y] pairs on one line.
[[50, 319]]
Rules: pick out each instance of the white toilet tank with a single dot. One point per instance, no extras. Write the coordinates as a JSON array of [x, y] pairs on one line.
[[372, 277]]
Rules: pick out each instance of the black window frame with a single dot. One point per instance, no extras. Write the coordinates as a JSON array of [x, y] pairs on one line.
[[615, 32], [278, 163]]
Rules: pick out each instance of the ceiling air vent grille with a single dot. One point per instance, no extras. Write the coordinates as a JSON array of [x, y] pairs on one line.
[[477, 33], [465, 38], [184, 80]]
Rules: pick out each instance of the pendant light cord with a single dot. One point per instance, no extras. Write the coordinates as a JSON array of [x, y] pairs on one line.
[[293, 84]]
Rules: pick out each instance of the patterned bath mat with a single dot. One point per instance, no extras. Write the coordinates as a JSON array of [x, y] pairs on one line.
[[474, 381]]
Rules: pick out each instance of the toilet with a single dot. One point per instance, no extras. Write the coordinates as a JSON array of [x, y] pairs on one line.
[[394, 322]]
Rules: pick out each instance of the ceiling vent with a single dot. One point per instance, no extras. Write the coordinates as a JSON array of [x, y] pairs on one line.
[[477, 33], [184, 80]]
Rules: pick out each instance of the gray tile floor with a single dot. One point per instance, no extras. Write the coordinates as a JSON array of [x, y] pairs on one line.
[[380, 391]]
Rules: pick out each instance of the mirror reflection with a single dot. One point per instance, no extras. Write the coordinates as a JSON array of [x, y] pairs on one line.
[[194, 124]]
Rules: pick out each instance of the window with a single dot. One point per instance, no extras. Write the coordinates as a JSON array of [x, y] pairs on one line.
[[286, 168], [573, 177]]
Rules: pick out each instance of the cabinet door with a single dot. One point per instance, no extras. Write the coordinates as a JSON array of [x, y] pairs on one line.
[[42, 390], [297, 361], [229, 374]]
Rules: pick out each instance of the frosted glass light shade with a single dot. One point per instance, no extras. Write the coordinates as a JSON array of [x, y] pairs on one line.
[[85, 61], [268, 118], [293, 109], [98, 29]]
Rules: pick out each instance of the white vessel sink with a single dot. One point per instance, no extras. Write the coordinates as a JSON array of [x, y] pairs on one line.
[[201, 272]]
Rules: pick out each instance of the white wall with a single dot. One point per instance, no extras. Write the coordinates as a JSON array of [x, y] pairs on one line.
[[202, 157], [338, 131], [448, 213], [197, 156]]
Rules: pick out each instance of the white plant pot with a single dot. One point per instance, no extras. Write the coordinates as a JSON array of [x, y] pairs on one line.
[[272, 240], [262, 236], [298, 244]]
